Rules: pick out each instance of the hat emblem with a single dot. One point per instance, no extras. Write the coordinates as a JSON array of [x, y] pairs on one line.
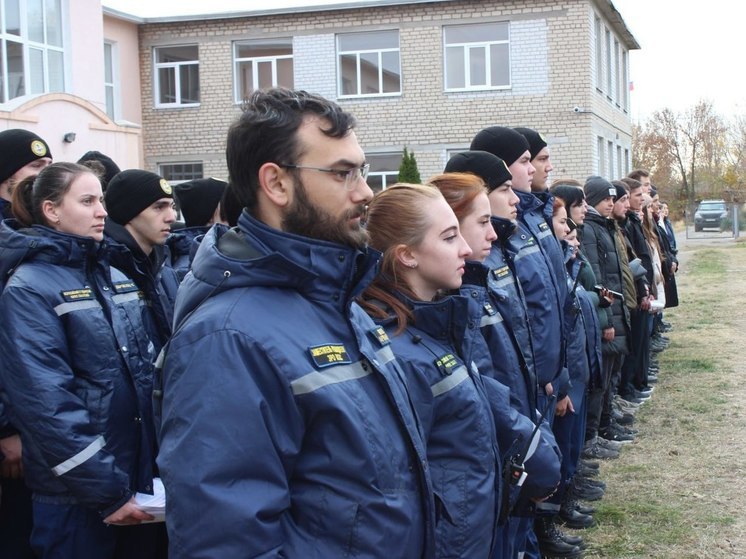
[[38, 148], [165, 187]]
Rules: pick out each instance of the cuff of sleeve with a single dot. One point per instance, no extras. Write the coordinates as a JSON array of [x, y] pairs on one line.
[[116, 505]]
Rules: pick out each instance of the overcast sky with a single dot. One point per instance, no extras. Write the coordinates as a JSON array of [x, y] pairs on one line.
[[690, 50]]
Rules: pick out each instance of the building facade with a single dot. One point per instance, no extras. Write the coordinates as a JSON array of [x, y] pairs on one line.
[[57, 75], [421, 75]]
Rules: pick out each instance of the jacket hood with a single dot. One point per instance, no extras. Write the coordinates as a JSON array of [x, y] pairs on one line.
[[20, 244], [253, 254]]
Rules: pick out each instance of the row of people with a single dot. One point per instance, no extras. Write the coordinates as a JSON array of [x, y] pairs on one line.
[[405, 375]]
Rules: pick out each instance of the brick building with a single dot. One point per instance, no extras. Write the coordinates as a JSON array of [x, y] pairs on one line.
[[422, 74]]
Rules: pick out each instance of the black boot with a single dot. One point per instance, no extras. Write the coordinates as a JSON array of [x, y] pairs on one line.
[[550, 541]]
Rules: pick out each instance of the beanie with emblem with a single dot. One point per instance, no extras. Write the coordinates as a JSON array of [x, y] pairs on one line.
[[18, 148], [598, 189], [132, 191], [501, 141], [490, 168]]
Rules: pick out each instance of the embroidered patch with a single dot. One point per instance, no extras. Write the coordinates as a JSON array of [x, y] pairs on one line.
[[489, 309], [165, 187], [329, 354], [446, 364], [125, 287], [379, 336], [543, 226], [85, 294], [501, 272]]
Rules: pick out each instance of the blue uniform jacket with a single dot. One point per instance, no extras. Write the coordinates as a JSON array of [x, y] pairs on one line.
[[287, 430], [495, 352], [539, 265], [76, 370], [583, 324], [462, 449], [179, 249]]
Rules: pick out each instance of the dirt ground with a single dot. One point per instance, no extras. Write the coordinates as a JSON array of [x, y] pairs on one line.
[[678, 490]]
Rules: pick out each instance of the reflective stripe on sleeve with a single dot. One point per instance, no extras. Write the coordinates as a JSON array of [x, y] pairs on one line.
[[333, 375], [486, 320], [64, 308], [80, 457], [527, 252], [450, 382], [125, 297]]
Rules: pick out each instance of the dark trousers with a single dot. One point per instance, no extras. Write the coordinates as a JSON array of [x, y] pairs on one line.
[[635, 367], [63, 531], [15, 520]]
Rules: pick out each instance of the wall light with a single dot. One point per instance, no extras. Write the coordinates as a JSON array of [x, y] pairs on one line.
[[69, 138]]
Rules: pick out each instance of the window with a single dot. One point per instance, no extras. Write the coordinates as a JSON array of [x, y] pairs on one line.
[[180, 172], [626, 162], [111, 81], [368, 64], [610, 164], [618, 67], [176, 76], [619, 162], [608, 64], [599, 53], [601, 162], [477, 56], [31, 48], [384, 170], [261, 65], [625, 82]]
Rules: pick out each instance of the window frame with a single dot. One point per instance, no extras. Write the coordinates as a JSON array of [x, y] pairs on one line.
[[177, 77], [358, 73], [467, 48], [32, 49], [255, 60], [383, 174], [115, 85], [161, 165]]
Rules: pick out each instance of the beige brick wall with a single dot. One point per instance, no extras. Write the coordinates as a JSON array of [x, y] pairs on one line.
[[552, 70]]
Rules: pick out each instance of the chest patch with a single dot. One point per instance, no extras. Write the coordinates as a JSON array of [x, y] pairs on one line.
[[329, 354], [489, 310], [84, 294], [543, 226], [125, 287], [499, 273], [446, 364]]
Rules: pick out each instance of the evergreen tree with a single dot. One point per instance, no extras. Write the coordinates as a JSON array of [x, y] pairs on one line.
[[408, 171]]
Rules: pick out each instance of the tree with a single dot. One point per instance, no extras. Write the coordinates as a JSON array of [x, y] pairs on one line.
[[408, 171]]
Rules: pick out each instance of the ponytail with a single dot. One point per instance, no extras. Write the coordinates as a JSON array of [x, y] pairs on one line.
[[22, 204]]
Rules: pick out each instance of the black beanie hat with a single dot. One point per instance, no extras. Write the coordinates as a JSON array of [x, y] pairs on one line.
[[501, 141], [198, 199], [535, 140], [110, 168], [621, 189], [597, 189], [18, 148], [133, 190], [490, 168]]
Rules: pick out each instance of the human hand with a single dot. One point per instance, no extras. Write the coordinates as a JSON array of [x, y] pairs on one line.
[[608, 334], [563, 406], [12, 465], [127, 514]]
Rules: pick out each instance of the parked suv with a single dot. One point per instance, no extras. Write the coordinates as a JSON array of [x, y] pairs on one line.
[[710, 213]]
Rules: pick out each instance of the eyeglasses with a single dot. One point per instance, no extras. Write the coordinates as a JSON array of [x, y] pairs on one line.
[[349, 177]]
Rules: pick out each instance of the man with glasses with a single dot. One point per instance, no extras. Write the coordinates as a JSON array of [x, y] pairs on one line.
[[287, 431]]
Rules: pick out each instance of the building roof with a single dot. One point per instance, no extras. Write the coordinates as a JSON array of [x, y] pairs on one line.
[[165, 12]]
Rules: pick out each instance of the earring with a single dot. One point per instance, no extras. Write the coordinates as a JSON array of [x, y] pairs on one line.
[[413, 265]]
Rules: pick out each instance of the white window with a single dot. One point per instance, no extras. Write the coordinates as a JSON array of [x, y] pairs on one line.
[[368, 64], [261, 65], [601, 162], [32, 57], [176, 76], [181, 172], [610, 165], [111, 80], [599, 53], [477, 57], [619, 162], [625, 82], [384, 170], [609, 67], [626, 162]]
